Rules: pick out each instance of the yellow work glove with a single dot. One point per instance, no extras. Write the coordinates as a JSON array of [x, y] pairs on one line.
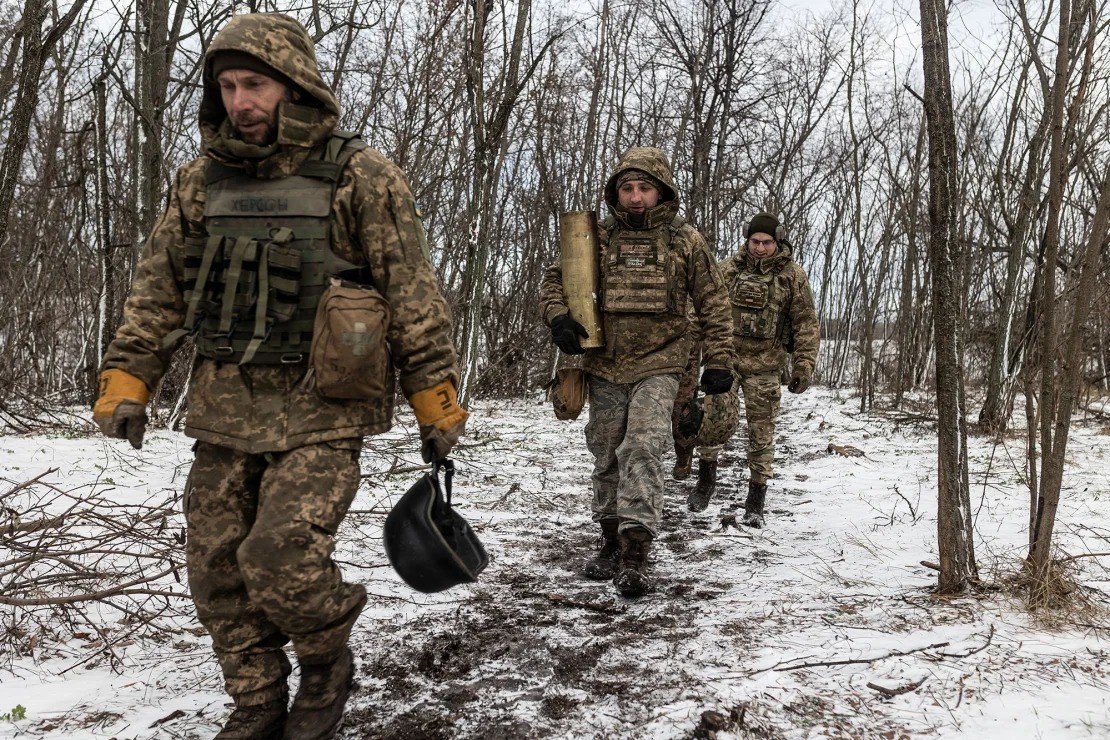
[[442, 421], [120, 409]]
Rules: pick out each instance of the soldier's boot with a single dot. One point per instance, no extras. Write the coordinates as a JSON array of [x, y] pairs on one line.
[[603, 565], [260, 722], [707, 483], [684, 460], [753, 505], [632, 580], [317, 711]]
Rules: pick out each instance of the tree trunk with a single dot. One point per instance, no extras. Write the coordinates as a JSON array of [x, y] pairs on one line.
[[954, 521]]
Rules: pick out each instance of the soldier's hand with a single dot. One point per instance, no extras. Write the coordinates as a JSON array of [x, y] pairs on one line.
[[120, 409], [799, 383], [565, 333], [690, 419], [128, 421], [716, 380], [436, 444]]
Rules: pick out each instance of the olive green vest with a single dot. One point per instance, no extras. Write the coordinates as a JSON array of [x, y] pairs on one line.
[[637, 276], [253, 282], [759, 305]]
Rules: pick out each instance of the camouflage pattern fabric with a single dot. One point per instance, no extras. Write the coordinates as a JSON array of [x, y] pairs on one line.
[[687, 389], [722, 415], [639, 345], [788, 293], [762, 393], [260, 532], [257, 408], [628, 434]]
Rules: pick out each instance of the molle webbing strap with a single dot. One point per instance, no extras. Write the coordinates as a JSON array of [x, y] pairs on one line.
[[261, 324], [211, 249], [243, 245]]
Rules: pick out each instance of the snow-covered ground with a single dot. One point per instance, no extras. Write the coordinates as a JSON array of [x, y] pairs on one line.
[[808, 628]]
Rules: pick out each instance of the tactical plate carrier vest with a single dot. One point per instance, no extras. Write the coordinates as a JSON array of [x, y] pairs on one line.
[[253, 281], [638, 274], [758, 305]]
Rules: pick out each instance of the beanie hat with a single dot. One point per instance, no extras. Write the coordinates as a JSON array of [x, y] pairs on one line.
[[764, 223], [633, 174], [234, 59]]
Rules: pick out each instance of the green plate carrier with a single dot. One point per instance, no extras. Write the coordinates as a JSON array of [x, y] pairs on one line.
[[253, 281]]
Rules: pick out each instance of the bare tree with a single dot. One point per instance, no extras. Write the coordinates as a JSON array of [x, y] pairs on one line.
[[955, 533]]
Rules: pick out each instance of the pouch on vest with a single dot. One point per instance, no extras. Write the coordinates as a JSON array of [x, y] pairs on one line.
[[757, 309], [349, 358], [568, 393]]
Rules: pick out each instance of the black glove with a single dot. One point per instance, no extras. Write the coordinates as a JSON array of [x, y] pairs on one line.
[[798, 383], [714, 380], [690, 418], [128, 421], [565, 332]]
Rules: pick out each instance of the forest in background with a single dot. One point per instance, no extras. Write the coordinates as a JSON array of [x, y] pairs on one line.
[[504, 114]]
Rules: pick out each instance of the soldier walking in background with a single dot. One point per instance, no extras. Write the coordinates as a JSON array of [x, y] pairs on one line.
[[773, 317], [282, 217], [653, 264]]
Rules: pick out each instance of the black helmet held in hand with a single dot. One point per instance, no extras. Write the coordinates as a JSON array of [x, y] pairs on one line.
[[428, 543]]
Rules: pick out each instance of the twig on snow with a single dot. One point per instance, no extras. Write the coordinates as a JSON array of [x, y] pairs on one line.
[[853, 661], [889, 693], [1084, 555], [990, 636]]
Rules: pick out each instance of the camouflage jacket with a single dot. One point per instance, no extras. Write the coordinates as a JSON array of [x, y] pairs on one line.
[[643, 343], [259, 408], [773, 310]]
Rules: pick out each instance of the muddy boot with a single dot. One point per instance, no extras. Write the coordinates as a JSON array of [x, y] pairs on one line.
[[684, 459], [603, 565], [707, 483], [632, 580], [260, 722], [317, 711], [753, 505]]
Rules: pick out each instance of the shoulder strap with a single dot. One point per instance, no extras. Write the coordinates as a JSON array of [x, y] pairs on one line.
[[333, 156], [214, 171]]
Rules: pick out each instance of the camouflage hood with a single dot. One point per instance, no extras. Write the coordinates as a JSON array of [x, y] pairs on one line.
[[283, 44], [782, 255], [654, 162]]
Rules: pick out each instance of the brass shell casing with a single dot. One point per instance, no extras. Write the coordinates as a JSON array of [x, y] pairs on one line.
[[581, 253]]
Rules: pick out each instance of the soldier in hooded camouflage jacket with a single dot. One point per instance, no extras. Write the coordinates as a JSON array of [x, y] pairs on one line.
[[774, 319], [653, 265], [257, 231]]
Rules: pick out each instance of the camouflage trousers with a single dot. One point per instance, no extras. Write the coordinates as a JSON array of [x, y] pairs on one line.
[[260, 534], [762, 394], [628, 434]]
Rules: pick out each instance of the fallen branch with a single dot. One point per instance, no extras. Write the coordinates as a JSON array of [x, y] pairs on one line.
[[931, 566], [1084, 555], [990, 636], [889, 693], [28, 483], [853, 661]]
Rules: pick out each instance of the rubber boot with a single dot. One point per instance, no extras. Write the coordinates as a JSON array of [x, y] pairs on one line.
[[753, 505], [317, 712], [632, 580], [707, 483], [684, 460], [603, 565], [259, 722]]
